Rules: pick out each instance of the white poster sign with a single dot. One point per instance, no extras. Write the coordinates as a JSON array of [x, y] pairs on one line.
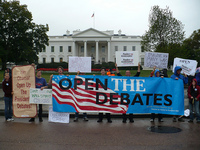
[[127, 58], [160, 60], [188, 66], [38, 96], [82, 64], [58, 116]]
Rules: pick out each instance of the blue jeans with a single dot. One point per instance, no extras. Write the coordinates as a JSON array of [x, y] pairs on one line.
[[8, 107], [196, 106]]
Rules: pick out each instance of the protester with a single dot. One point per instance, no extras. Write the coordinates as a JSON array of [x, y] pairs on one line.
[[7, 89], [128, 74], [8, 70], [41, 84], [60, 71], [197, 76], [156, 73], [110, 73], [177, 75], [194, 95], [76, 113], [103, 73]]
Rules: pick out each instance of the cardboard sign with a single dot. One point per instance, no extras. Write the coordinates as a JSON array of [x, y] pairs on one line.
[[23, 78], [188, 66], [58, 116], [38, 96], [160, 60], [82, 64], [127, 58]]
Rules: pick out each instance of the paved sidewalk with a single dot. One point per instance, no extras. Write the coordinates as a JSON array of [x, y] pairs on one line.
[[22, 135]]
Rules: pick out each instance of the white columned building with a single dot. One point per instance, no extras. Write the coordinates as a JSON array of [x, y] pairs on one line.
[[100, 45]]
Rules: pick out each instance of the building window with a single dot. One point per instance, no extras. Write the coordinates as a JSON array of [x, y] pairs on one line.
[[125, 48], [142, 61], [103, 49], [133, 48], [116, 48], [52, 48], [69, 49], [142, 48], [44, 49], [92, 49], [44, 60], [61, 48], [103, 59], [82, 49], [52, 60], [61, 59]]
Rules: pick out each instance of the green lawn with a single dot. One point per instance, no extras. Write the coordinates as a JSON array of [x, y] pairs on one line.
[[46, 75]]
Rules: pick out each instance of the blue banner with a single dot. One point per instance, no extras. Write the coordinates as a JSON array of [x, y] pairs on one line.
[[117, 94]]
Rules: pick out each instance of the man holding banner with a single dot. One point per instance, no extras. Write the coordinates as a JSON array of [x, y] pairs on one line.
[[40, 83], [128, 74], [103, 73]]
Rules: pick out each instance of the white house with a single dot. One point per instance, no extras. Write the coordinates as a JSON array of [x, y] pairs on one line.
[[100, 45]]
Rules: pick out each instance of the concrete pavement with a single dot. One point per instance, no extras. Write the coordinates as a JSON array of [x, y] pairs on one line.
[[91, 135]]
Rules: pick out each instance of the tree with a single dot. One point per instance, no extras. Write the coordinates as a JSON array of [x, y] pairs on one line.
[[20, 38], [192, 45], [164, 29]]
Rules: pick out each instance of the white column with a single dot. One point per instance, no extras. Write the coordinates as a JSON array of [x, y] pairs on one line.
[[97, 51], [73, 48], [85, 48], [109, 59]]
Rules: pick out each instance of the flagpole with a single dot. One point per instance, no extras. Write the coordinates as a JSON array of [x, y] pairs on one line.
[[93, 16]]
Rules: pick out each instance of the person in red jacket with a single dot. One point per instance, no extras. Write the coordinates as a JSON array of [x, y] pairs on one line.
[[194, 95], [7, 88]]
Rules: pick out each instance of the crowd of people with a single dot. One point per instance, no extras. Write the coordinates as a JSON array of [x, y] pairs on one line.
[[193, 93]]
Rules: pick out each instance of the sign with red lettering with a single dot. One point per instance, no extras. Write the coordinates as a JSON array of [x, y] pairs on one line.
[[23, 78]]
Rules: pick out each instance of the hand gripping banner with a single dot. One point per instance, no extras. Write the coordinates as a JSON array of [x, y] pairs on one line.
[[117, 94]]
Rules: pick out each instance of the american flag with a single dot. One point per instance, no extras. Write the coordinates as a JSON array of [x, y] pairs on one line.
[[85, 100]]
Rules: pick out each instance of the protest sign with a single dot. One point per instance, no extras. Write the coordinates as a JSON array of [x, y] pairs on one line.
[[188, 66], [160, 60], [117, 94], [58, 116], [82, 64], [127, 58], [38, 96], [23, 78]]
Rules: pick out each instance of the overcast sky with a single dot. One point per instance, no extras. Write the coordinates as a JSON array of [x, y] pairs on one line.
[[131, 16]]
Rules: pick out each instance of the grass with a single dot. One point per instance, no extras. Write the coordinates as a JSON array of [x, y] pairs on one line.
[[46, 75]]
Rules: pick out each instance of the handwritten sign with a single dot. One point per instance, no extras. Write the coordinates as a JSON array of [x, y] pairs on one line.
[[82, 64], [38, 96], [188, 66], [160, 60], [127, 58], [23, 78], [58, 116]]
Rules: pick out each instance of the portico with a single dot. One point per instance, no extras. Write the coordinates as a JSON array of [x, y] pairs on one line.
[[84, 45]]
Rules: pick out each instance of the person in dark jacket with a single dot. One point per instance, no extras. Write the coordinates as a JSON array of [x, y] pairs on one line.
[[177, 75], [128, 74], [194, 95], [7, 89]]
